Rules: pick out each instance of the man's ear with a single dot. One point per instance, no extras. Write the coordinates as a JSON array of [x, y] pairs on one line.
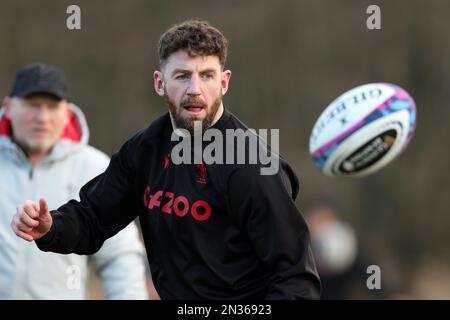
[[226, 75], [6, 104], [158, 82]]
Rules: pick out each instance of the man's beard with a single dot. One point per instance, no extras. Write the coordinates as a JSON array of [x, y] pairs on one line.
[[188, 122], [31, 147]]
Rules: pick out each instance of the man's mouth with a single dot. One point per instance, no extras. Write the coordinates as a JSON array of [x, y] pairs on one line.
[[193, 108], [40, 132]]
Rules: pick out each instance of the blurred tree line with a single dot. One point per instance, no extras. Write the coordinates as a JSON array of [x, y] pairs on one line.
[[289, 60]]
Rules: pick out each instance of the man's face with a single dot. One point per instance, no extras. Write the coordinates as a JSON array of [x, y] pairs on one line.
[[193, 87], [37, 121]]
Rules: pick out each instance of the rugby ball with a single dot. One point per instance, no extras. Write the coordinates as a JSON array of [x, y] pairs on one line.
[[363, 130]]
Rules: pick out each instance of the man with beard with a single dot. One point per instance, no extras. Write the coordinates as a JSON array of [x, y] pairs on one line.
[[219, 231]]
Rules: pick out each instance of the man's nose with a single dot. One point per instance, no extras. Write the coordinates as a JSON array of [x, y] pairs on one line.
[[194, 86], [42, 114]]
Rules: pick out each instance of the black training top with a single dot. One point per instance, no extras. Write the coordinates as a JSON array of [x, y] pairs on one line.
[[219, 231]]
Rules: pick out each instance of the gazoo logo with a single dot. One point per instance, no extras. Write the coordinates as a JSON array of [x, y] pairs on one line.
[[169, 203]]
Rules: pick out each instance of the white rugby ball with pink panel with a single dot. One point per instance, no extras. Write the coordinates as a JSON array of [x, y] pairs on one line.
[[363, 130]]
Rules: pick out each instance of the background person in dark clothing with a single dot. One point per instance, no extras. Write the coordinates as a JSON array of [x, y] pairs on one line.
[[342, 261]]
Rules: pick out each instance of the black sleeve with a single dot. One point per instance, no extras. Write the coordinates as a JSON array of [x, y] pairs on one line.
[[107, 205], [263, 206]]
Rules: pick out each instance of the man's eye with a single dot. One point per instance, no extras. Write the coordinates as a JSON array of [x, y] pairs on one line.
[[32, 105], [208, 76], [181, 77]]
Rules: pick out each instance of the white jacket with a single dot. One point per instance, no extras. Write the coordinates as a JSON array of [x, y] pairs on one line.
[[28, 273]]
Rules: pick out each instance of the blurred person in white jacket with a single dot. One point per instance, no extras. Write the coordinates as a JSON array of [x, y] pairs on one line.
[[44, 152]]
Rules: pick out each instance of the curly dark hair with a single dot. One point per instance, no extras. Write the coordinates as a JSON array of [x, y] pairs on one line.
[[196, 37]]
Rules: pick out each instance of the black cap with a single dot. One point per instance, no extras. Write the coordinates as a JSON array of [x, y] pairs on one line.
[[39, 78]]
